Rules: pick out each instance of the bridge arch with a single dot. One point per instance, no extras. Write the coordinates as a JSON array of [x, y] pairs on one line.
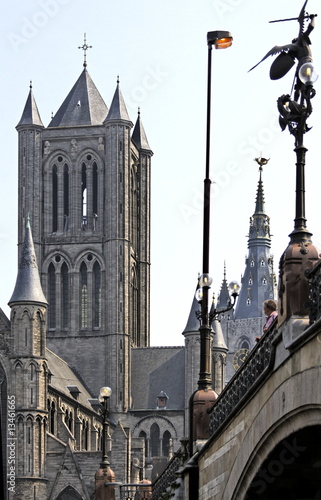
[[292, 444]]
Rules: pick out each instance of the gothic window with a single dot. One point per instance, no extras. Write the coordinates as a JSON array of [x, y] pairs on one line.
[[54, 199], [69, 493], [51, 416], [64, 296], [134, 307], [262, 263], [66, 198], [154, 440], [84, 196], [97, 295], [85, 434], [250, 281], [248, 301], [252, 263], [134, 208], [83, 295], [142, 434], [245, 344], [52, 296], [95, 190], [166, 443], [264, 280]]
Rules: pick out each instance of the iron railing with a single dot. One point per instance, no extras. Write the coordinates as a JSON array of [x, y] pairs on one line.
[[314, 277], [246, 379], [167, 481]]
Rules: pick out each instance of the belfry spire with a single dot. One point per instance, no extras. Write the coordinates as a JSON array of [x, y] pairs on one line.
[[258, 279]]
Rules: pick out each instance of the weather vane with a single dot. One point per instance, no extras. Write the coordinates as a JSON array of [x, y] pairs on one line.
[[85, 47]]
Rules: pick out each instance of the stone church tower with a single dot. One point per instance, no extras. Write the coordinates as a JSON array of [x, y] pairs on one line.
[[85, 182]]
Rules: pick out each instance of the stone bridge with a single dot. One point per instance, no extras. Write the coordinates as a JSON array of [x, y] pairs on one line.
[[265, 427]]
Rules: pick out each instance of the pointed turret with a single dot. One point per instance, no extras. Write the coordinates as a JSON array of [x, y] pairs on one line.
[[28, 287], [83, 106], [30, 115], [139, 136], [118, 110], [224, 295], [258, 282]]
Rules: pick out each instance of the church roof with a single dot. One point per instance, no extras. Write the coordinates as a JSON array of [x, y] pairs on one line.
[[156, 369], [118, 110], [83, 105], [63, 378], [139, 136], [28, 286], [30, 114]]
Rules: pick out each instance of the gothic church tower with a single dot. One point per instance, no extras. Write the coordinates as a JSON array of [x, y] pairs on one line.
[[85, 181]]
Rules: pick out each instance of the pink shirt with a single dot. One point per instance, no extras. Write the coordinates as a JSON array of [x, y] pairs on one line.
[[269, 320]]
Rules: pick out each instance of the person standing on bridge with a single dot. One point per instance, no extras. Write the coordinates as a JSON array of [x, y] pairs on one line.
[[270, 311]]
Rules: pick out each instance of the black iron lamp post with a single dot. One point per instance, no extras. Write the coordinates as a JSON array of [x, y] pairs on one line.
[[220, 40], [104, 395], [300, 255]]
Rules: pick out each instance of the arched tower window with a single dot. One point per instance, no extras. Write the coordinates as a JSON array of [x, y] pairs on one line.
[[52, 296], [64, 296], [143, 435], [66, 197], [97, 295], [54, 199], [133, 209], [154, 440], [166, 443], [84, 195], [83, 296], [95, 190], [134, 307]]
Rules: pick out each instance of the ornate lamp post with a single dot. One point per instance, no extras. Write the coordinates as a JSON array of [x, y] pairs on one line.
[[105, 476], [301, 254], [204, 397]]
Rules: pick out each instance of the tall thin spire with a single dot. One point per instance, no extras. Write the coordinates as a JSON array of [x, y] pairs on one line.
[[258, 278]]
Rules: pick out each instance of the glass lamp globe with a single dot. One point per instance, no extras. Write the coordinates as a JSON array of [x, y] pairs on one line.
[[205, 280], [234, 287], [105, 392], [308, 74]]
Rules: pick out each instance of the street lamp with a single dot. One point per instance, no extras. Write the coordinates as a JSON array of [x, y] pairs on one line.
[[300, 254], [220, 40], [104, 395]]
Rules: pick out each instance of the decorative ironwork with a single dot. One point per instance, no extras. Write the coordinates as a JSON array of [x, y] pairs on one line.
[[314, 277], [251, 373], [164, 486]]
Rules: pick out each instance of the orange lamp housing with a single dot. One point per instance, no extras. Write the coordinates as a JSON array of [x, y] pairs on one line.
[[220, 39]]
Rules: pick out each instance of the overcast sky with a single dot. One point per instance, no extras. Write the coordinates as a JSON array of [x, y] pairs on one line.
[[159, 51]]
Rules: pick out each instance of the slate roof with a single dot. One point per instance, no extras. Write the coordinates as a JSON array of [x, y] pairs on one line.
[[28, 286], [156, 369], [118, 110], [83, 105], [30, 114], [63, 377], [139, 136]]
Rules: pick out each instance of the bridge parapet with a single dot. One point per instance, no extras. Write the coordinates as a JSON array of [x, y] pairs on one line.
[[249, 376]]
